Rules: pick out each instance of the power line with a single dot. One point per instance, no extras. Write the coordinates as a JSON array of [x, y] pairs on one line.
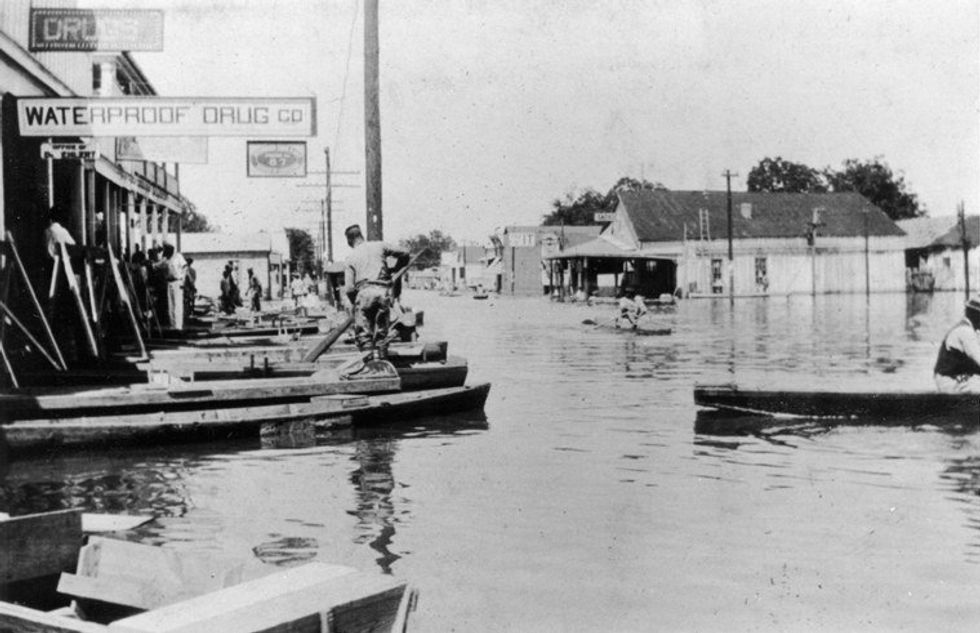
[[343, 89]]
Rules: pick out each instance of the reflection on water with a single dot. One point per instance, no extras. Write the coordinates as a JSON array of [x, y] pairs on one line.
[[592, 494]]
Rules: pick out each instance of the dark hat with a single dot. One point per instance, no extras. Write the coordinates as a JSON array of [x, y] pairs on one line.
[[352, 230], [973, 304]]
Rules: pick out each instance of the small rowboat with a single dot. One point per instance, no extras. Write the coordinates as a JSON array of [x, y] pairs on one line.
[[609, 326], [873, 407]]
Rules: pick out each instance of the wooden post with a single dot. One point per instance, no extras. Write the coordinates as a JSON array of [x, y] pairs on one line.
[[155, 224], [965, 242], [76, 293], [372, 122], [124, 297], [144, 226], [37, 304]]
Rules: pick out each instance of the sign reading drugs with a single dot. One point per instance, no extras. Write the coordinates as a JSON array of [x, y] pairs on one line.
[[167, 116], [65, 29]]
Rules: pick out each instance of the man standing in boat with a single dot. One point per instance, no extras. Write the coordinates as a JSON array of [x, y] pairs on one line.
[[367, 283], [958, 365]]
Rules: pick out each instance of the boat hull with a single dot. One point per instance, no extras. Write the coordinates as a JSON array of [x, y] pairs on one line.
[[921, 407], [232, 421]]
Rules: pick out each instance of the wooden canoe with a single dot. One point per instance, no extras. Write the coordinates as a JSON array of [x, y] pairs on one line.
[[636, 331], [902, 407], [76, 429]]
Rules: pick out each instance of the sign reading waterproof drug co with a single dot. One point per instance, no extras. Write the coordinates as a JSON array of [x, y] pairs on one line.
[[267, 159], [63, 29], [163, 116]]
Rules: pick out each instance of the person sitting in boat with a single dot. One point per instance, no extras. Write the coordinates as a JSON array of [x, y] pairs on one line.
[[958, 364], [367, 283], [631, 308]]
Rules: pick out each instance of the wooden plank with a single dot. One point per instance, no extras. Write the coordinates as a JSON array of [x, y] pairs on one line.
[[79, 303], [38, 545], [213, 393], [143, 576], [28, 435], [26, 280], [17, 619], [93, 523], [299, 600]]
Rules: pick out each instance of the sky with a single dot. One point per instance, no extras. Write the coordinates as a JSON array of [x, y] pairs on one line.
[[490, 110]]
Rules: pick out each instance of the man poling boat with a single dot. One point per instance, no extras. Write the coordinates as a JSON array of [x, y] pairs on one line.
[[371, 287], [958, 362]]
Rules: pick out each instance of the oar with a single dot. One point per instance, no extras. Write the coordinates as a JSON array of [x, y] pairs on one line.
[[599, 324]]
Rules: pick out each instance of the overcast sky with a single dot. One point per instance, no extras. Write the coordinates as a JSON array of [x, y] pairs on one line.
[[492, 109]]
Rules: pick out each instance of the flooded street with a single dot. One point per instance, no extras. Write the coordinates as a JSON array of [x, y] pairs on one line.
[[585, 499]]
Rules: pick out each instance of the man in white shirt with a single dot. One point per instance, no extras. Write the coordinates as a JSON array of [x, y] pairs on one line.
[[958, 363], [367, 284]]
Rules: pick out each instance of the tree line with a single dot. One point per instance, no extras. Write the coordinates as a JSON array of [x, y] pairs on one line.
[[873, 179]]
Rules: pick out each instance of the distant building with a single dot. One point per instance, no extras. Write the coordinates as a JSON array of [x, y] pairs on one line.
[[468, 265], [522, 253], [934, 252], [676, 242], [267, 254]]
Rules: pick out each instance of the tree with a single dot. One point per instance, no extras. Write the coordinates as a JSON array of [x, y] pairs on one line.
[[581, 211], [780, 175], [875, 181], [302, 252], [430, 246], [195, 222]]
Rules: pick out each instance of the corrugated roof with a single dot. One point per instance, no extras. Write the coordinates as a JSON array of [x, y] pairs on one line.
[[660, 216]]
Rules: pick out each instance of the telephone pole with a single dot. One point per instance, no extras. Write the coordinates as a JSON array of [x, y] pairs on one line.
[[965, 242], [372, 122], [731, 250], [328, 208]]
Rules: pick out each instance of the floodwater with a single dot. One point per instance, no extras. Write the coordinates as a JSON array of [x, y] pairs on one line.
[[585, 499]]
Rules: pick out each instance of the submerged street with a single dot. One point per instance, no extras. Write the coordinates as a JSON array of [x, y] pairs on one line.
[[585, 496]]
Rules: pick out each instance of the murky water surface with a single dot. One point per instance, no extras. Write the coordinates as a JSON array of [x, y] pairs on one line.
[[585, 499]]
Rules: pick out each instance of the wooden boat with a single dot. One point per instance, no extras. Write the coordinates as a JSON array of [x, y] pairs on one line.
[[639, 330], [119, 585], [902, 407], [58, 425]]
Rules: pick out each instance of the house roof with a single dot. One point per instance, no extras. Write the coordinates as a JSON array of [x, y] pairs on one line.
[[600, 247], [922, 232], [201, 243], [954, 238], [661, 216], [941, 232]]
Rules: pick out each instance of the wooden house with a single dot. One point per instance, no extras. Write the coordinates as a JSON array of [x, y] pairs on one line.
[[935, 257], [679, 242]]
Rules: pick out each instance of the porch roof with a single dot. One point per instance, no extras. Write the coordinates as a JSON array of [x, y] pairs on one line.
[[605, 248]]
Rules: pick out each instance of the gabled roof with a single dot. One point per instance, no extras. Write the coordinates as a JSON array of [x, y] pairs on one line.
[[941, 232], [953, 237], [660, 216], [922, 232]]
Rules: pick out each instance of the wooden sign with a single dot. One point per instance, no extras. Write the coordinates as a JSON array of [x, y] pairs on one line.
[[73, 30], [76, 151], [272, 159], [167, 116]]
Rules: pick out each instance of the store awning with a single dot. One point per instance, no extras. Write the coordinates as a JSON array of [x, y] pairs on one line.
[[603, 248]]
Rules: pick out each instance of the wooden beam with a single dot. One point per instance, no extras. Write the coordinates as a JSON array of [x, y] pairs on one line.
[[38, 545], [304, 599], [79, 303], [37, 304], [144, 576], [17, 619]]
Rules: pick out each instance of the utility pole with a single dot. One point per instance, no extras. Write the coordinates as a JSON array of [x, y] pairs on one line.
[[867, 253], [731, 251], [965, 242], [328, 207], [372, 122], [812, 237]]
